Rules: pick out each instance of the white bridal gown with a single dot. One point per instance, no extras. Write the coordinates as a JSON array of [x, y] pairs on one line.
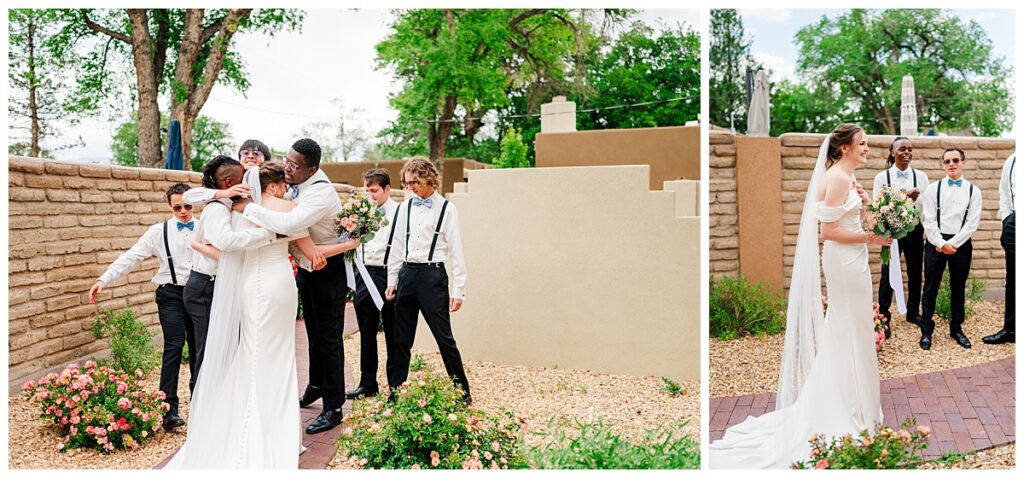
[[840, 395], [250, 416]]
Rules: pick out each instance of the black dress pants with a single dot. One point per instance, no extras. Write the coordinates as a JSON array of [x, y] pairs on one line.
[[424, 288], [912, 249], [369, 318], [323, 308], [1008, 240], [934, 265], [176, 325], [198, 297]]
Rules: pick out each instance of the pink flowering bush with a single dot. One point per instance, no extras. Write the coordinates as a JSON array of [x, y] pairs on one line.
[[884, 449], [876, 317], [97, 407], [429, 427]]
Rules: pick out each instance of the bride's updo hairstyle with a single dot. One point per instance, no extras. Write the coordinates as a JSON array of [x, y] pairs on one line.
[[271, 172], [842, 135]]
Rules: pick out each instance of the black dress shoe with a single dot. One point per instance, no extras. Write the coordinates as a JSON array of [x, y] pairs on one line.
[[888, 329], [914, 320], [467, 400], [325, 421], [926, 342], [1001, 337], [172, 421], [361, 392], [961, 339], [311, 395]]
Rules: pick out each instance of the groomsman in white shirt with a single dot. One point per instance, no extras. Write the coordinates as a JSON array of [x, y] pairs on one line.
[[952, 211], [376, 254], [322, 291], [901, 177], [171, 243], [427, 236], [1007, 213]]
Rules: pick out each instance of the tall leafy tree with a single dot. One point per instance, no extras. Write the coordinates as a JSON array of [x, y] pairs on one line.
[[209, 138], [35, 81], [181, 53], [729, 57], [455, 65], [855, 63]]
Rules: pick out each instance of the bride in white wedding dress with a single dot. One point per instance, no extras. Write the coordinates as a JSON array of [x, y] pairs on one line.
[[829, 384], [245, 410]]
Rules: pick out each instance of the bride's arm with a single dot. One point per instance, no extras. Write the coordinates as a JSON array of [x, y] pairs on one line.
[[335, 249]]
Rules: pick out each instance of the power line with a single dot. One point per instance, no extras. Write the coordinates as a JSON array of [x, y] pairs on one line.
[[427, 120]]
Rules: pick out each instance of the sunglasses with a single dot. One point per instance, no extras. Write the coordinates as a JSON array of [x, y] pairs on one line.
[[250, 152], [953, 160], [177, 207]]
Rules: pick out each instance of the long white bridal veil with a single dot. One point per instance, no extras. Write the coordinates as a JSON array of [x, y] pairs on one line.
[[216, 399], [804, 315]]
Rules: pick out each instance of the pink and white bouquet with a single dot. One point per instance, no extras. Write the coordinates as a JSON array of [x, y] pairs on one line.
[[97, 407], [892, 216], [359, 218]]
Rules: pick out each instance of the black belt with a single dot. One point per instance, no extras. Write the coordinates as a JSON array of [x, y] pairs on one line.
[[424, 265], [376, 268], [203, 276], [170, 285]]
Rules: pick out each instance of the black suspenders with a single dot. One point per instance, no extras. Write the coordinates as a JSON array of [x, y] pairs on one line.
[[391, 236], [170, 261], [938, 206], [437, 230], [1013, 163]]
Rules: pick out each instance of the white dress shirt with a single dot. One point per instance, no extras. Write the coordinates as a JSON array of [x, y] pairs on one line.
[[374, 250], [1007, 187], [422, 224], [152, 244], [954, 201], [898, 183], [317, 207], [198, 196], [216, 230]]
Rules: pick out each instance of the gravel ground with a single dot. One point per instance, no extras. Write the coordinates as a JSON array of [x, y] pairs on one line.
[[751, 364], [32, 442], [992, 458], [631, 404]]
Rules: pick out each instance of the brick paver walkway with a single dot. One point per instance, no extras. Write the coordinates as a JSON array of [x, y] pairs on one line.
[[970, 408], [321, 446]]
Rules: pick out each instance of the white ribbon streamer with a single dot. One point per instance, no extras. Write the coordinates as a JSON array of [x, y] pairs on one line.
[[371, 287], [896, 278]]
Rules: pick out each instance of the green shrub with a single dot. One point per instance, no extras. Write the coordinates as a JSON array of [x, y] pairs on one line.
[[513, 150], [97, 407], [973, 294], [884, 449], [131, 343], [418, 363], [672, 387], [184, 353], [596, 446], [428, 426], [738, 307]]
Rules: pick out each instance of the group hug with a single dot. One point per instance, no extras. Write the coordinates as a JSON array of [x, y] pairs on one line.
[[226, 288], [950, 212]]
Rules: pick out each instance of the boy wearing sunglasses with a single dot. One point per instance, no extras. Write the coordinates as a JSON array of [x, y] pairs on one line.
[[952, 212], [171, 243]]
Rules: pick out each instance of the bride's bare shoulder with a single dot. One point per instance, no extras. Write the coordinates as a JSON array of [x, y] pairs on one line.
[[277, 204], [836, 185]]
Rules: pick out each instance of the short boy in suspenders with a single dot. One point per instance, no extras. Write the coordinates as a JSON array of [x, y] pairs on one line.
[[901, 177], [376, 254], [952, 211], [1007, 213], [171, 243], [427, 236]]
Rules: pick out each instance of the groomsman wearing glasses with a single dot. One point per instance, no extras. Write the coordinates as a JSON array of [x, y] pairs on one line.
[[952, 212], [171, 243], [1007, 213], [426, 237]]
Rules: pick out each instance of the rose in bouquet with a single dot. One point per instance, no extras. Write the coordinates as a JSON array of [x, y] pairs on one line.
[[879, 321], [892, 216], [359, 218]]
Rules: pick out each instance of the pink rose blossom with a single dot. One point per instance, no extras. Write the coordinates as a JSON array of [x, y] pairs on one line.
[[427, 419], [387, 413], [415, 466], [422, 403], [822, 464], [29, 385], [435, 458]]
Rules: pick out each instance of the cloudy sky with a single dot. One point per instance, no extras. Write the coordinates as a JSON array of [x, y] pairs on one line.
[[296, 75], [773, 32]]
